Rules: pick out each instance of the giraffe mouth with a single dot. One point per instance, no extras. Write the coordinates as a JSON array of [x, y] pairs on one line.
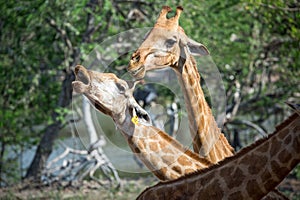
[[137, 71], [82, 81], [82, 75]]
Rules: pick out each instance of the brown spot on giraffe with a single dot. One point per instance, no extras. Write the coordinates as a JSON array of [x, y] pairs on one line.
[[285, 133], [177, 169], [183, 161], [236, 196], [254, 188], [169, 159], [264, 148], [225, 171], [296, 142], [232, 183], [215, 191], [296, 128], [188, 171], [266, 175], [274, 146], [164, 170], [259, 163], [288, 139], [284, 156], [169, 151], [153, 146]]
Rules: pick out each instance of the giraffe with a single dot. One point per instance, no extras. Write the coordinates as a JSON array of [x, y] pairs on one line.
[[250, 174], [162, 154], [166, 45]]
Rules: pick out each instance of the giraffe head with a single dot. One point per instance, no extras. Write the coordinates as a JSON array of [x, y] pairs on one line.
[[163, 46], [109, 95]]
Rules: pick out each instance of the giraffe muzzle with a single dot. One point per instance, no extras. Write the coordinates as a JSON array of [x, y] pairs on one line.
[[82, 74], [138, 73], [82, 80]]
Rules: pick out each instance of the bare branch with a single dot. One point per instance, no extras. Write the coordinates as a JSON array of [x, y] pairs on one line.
[[260, 130], [76, 169]]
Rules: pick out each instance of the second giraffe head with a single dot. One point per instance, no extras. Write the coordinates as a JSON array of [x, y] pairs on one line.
[[163, 46]]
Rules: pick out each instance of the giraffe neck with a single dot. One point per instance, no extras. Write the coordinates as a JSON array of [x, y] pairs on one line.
[[202, 124], [162, 154], [257, 169]]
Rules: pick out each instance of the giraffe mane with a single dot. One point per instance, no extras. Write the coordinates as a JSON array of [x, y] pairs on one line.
[[229, 159]]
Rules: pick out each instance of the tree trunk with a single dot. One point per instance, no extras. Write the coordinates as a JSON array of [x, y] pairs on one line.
[[87, 118], [45, 146], [3, 144]]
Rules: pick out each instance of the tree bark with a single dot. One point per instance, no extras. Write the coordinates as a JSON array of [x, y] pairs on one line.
[[3, 144]]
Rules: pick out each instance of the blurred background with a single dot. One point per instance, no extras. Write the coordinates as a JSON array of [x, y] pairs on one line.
[[255, 45]]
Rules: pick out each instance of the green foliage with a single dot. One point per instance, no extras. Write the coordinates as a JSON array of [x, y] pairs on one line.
[[39, 40], [297, 172]]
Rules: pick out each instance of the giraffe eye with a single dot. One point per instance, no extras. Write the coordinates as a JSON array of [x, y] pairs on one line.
[[120, 87], [170, 43], [136, 58]]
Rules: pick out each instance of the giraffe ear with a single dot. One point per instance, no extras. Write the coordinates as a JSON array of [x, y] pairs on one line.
[[196, 49]]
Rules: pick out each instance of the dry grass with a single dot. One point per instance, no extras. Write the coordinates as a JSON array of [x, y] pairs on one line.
[[89, 190], [130, 189]]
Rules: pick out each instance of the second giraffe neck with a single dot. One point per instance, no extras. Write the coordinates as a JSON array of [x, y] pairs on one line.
[[202, 123]]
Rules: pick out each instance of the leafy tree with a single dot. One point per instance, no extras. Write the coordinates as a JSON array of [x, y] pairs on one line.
[[41, 42]]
